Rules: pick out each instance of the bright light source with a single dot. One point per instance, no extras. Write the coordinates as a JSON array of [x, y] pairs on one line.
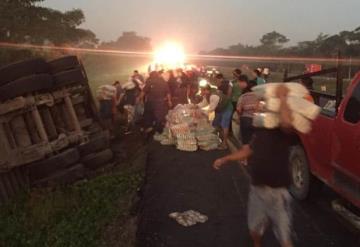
[[171, 56], [203, 83]]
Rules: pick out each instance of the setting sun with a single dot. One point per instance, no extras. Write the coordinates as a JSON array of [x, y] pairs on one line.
[[170, 55]]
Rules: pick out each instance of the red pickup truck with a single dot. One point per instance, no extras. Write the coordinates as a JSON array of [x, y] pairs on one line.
[[331, 152]]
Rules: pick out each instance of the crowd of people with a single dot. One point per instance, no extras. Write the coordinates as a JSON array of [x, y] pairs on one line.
[[146, 101], [266, 152]]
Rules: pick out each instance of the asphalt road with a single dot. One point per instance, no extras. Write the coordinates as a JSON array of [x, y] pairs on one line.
[[179, 181]]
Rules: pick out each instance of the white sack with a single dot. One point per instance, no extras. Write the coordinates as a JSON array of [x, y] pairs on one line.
[[269, 90], [298, 105]]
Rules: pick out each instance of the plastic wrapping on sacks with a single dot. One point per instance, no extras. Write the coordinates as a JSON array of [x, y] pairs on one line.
[[168, 142], [300, 123], [185, 136], [207, 137], [188, 128], [272, 120], [165, 138], [299, 105], [188, 218], [266, 120], [185, 142], [185, 147], [208, 147], [302, 110], [269, 90]]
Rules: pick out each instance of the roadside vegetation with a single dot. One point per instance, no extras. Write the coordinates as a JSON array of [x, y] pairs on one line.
[[89, 213]]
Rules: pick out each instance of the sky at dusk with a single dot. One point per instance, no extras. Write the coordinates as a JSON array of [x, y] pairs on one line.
[[207, 24]]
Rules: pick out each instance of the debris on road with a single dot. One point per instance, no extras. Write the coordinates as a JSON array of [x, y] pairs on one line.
[[189, 218], [188, 128]]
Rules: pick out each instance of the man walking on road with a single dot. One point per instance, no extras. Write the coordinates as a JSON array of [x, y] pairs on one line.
[[268, 160]]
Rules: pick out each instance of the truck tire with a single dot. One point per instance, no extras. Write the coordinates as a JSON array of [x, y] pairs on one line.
[[48, 167], [69, 77], [300, 173], [97, 143], [14, 71], [63, 177], [97, 160], [26, 85], [64, 64]]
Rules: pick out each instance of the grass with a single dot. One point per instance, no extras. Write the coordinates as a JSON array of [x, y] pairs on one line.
[[77, 215], [90, 213], [107, 69]]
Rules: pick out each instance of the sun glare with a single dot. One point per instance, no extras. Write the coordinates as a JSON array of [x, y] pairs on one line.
[[171, 55]]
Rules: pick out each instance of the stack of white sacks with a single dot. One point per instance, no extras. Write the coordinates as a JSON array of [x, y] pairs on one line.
[[303, 111], [188, 128]]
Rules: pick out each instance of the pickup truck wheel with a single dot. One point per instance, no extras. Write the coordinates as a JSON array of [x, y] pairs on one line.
[[63, 64], [97, 160], [25, 85], [21, 69], [69, 77], [300, 173]]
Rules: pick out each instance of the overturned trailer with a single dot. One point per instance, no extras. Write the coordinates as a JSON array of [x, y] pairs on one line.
[[49, 130]]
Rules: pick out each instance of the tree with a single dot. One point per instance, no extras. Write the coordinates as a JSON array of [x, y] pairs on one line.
[[348, 42], [129, 41], [25, 21], [274, 39]]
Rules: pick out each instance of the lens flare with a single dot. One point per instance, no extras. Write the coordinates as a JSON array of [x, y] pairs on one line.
[[181, 56], [171, 56], [203, 83]]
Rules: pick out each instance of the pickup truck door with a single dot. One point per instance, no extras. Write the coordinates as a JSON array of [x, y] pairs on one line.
[[346, 139]]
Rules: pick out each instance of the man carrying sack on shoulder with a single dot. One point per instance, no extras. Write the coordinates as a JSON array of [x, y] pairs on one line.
[[268, 162]]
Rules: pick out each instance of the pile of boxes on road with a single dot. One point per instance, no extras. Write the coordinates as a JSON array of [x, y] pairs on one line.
[[49, 129], [189, 129], [303, 111]]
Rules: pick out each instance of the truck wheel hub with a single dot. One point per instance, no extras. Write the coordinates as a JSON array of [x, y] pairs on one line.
[[298, 174]]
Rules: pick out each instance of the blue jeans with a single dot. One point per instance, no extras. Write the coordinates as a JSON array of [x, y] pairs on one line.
[[223, 119]]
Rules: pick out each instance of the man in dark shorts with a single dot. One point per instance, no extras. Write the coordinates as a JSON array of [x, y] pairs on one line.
[[157, 101], [268, 161]]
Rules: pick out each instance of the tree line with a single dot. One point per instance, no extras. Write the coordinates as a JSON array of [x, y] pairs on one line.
[[26, 21], [274, 43]]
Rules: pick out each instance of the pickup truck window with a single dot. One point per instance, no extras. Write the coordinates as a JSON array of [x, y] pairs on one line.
[[352, 111]]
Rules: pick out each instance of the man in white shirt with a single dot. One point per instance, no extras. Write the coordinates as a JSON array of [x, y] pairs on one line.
[[215, 101]]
